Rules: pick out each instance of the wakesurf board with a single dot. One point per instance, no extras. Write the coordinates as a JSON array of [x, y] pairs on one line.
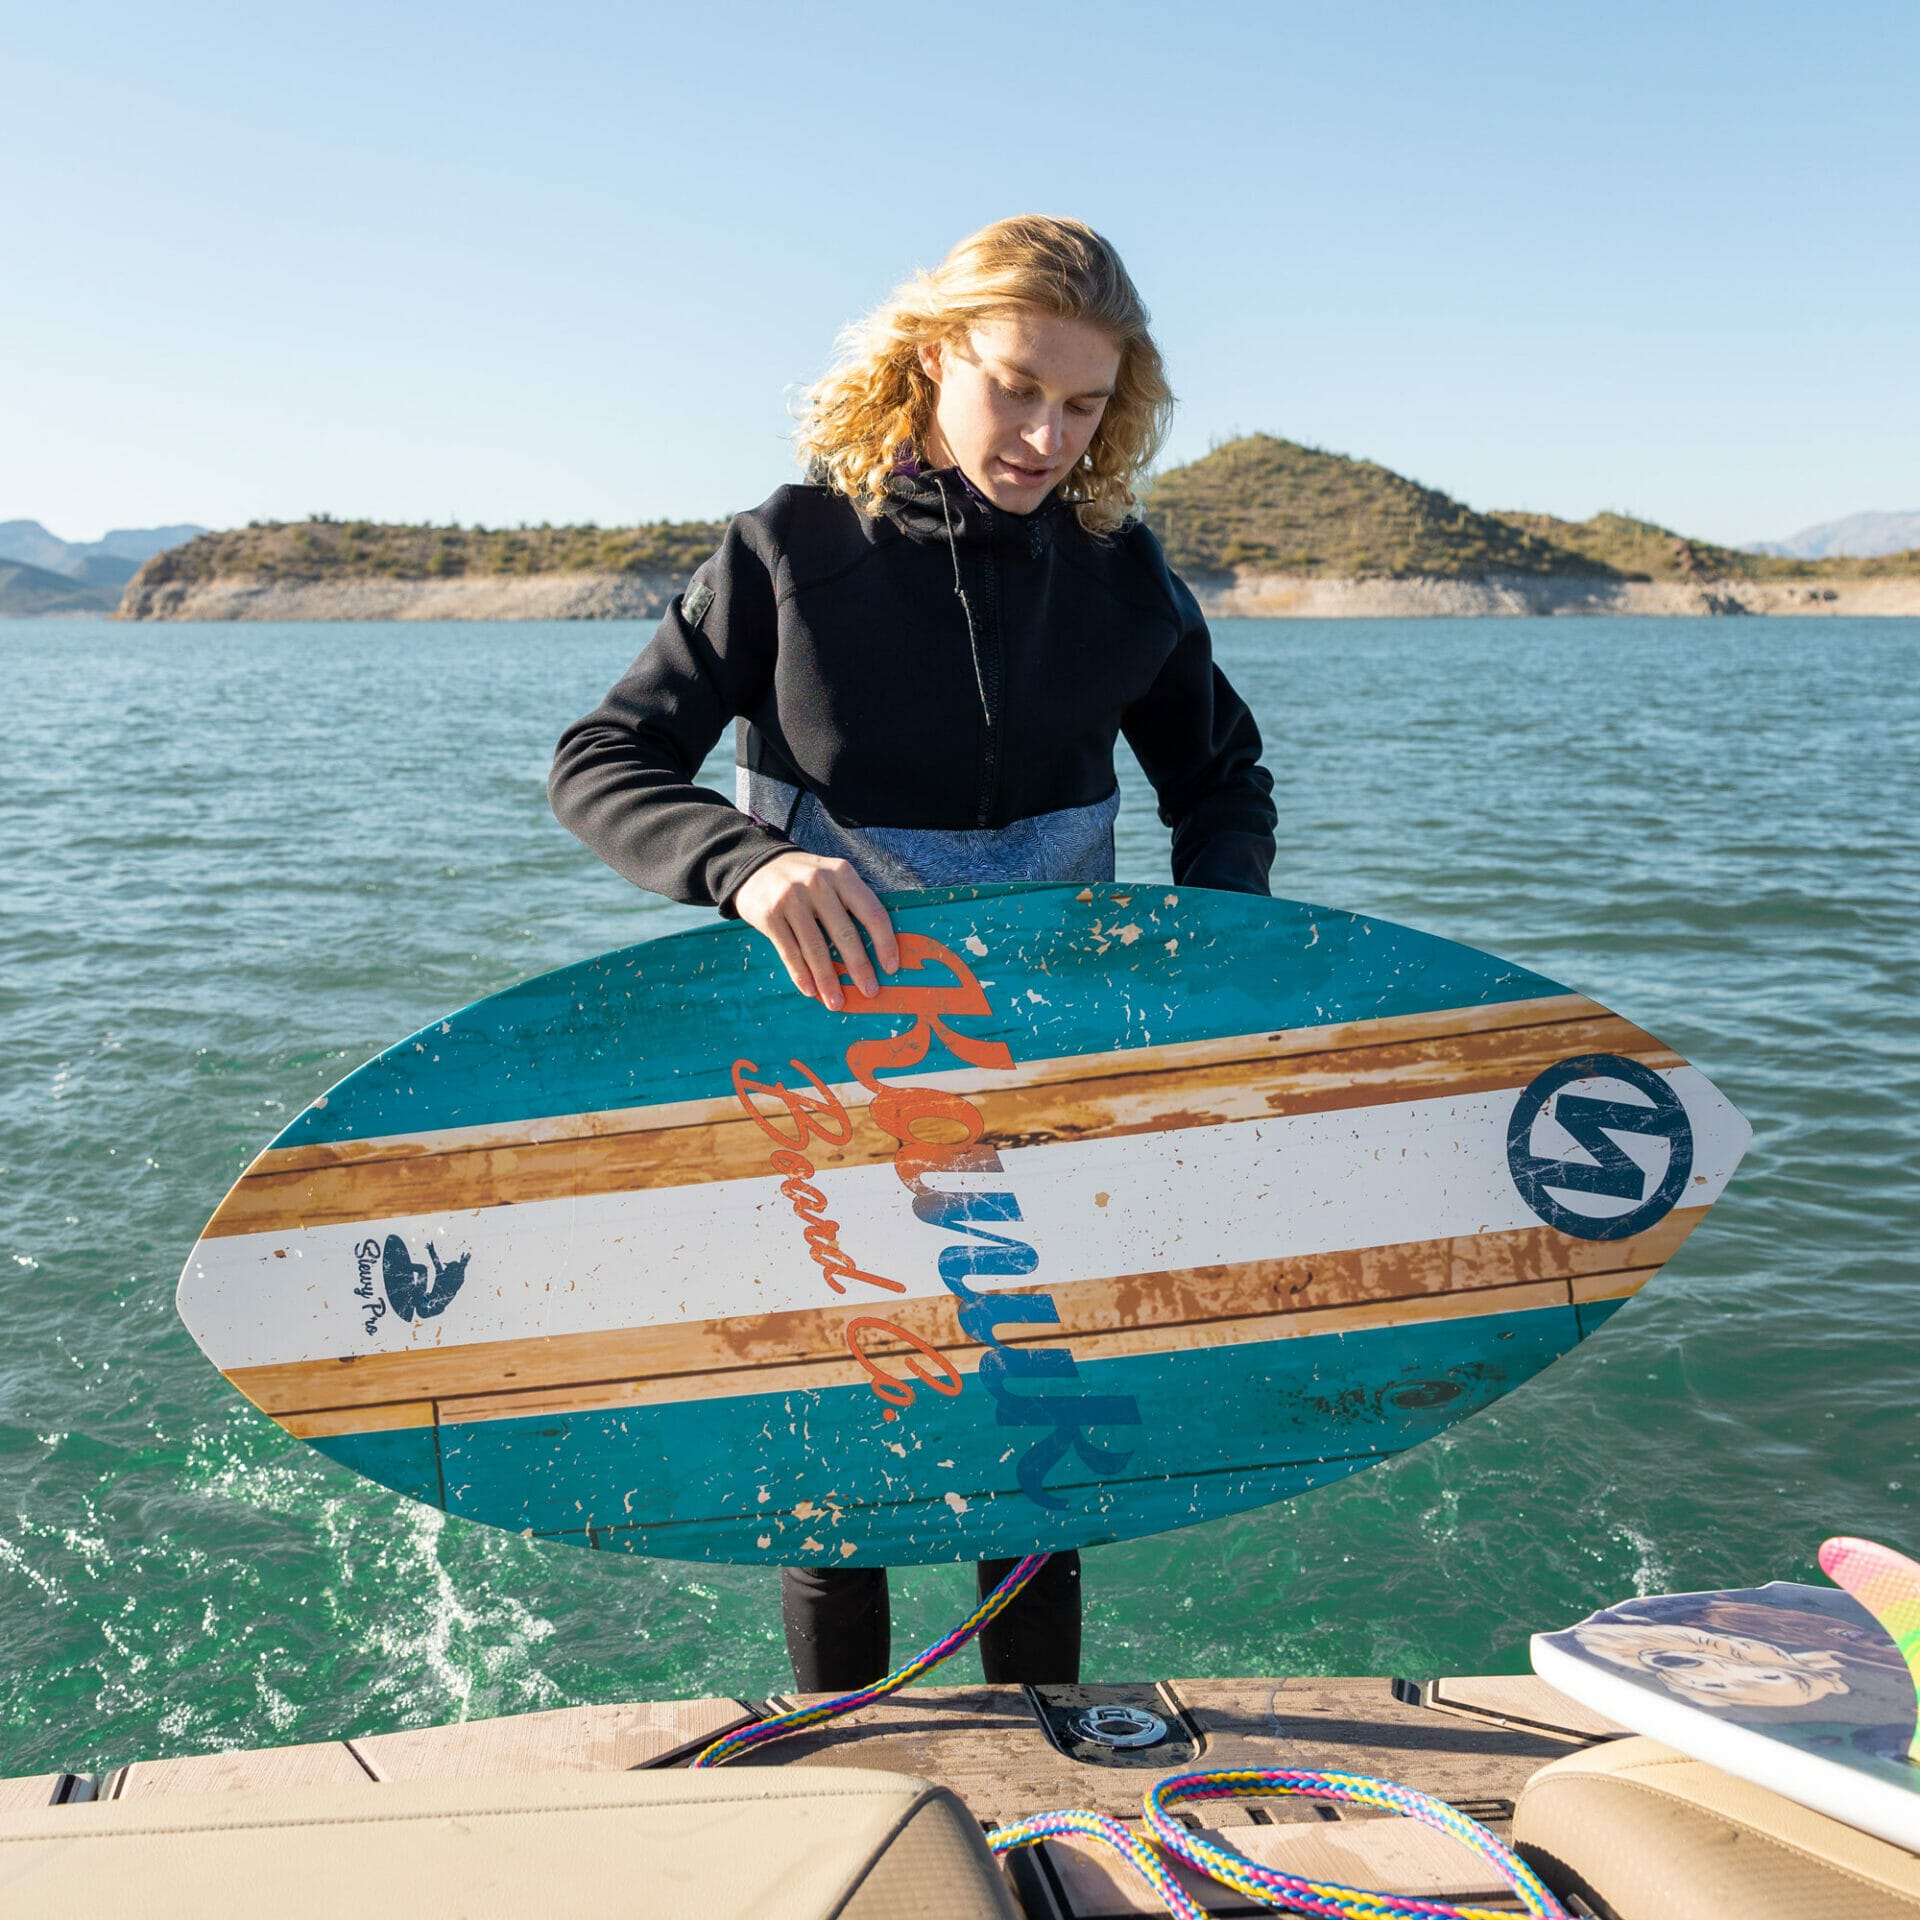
[[1808, 1691], [1114, 1210]]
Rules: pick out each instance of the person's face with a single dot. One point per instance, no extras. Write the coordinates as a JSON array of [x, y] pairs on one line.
[[1020, 397]]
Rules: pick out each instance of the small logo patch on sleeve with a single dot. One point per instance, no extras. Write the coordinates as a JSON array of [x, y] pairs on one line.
[[695, 602]]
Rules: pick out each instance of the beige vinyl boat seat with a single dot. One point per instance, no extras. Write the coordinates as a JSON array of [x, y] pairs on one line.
[[1643, 1833], [793, 1843]]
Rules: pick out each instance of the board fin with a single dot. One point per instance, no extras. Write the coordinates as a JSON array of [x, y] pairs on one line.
[[1887, 1584]]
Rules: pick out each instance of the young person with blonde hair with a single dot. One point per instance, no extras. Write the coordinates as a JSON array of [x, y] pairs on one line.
[[930, 649]]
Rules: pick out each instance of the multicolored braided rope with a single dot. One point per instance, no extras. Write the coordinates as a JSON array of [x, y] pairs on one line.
[[1329, 1898], [1264, 1884], [763, 1732], [1075, 1823]]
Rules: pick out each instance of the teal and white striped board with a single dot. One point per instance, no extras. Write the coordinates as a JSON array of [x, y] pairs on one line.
[[1117, 1209]]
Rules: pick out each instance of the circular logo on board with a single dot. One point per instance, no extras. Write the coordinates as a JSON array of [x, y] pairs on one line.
[[1119, 1726], [1605, 1162]]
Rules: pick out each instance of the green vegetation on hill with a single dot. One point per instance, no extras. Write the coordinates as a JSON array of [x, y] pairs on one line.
[[1258, 504], [1638, 549], [1268, 505], [1643, 550], [1274, 506], [326, 550]]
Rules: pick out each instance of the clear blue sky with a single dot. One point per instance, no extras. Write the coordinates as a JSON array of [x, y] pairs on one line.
[[494, 263]]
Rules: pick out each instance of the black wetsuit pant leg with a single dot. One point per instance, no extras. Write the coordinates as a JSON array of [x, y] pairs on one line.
[[1037, 1640], [838, 1626]]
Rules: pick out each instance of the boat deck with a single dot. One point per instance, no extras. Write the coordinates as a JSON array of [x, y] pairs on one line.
[[1011, 1751]]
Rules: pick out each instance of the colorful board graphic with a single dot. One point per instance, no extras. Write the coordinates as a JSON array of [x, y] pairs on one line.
[[1798, 1689], [1117, 1209], [1887, 1584]]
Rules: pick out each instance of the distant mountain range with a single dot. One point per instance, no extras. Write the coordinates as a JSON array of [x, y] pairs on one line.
[[42, 574], [1860, 536], [30, 593], [110, 561]]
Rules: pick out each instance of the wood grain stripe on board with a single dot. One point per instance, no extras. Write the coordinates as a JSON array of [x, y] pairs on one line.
[[394, 1416], [1339, 1037], [1586, 1288], [1153, 1100], [1137, 1313], [1127, 1343]]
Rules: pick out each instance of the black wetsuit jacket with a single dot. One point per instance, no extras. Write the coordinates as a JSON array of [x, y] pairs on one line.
[[943, 664]]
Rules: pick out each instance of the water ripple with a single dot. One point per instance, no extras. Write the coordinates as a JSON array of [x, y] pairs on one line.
[[297, 843]]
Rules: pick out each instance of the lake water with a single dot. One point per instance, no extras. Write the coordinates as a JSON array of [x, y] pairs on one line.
[[235, 861]]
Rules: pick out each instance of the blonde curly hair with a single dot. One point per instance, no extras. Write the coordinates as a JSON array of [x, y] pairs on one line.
[[877, 399]]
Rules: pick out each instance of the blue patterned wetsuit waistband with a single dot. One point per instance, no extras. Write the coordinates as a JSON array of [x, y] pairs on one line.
[[1072, 844]]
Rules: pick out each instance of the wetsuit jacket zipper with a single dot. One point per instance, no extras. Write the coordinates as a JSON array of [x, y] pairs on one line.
[[992, 681], [801, 630]]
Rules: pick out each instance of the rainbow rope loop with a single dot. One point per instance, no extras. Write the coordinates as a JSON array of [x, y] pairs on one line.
[[1269, 1886], [1153, 1855], [1075, 1823], [1274, 1888], [764, 1732]]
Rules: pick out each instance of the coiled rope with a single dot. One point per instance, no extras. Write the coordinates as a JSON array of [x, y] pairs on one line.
[[1214, 1859], [1275, 1888]]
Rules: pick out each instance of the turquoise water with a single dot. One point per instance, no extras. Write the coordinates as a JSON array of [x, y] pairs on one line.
[[235, 861]]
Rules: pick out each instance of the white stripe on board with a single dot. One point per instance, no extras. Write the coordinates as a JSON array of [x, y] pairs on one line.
[[1385, 1175]]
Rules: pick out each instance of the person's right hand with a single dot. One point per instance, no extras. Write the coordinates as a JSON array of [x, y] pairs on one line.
[[807, 905]]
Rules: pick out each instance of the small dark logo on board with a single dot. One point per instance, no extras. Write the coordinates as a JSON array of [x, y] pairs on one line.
[[1606, 1190], [414, 1292]]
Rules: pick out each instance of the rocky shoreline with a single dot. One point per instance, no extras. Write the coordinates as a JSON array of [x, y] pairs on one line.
[[1302, 597], [645, 596], [540, 596]]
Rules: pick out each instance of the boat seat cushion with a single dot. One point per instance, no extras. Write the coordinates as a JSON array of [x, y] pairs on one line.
[[791, 1843], [1643, 1833]]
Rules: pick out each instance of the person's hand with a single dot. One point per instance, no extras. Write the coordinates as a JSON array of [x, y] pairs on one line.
[[807, 905]]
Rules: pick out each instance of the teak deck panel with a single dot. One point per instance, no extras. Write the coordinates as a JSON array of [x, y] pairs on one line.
[[610, 1739], [1393, 1854], [984, 1742], [1520, 1700], [1471, 1741], [1363, 1726], [30, 1791], [602, 1739], [327, 1764]]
